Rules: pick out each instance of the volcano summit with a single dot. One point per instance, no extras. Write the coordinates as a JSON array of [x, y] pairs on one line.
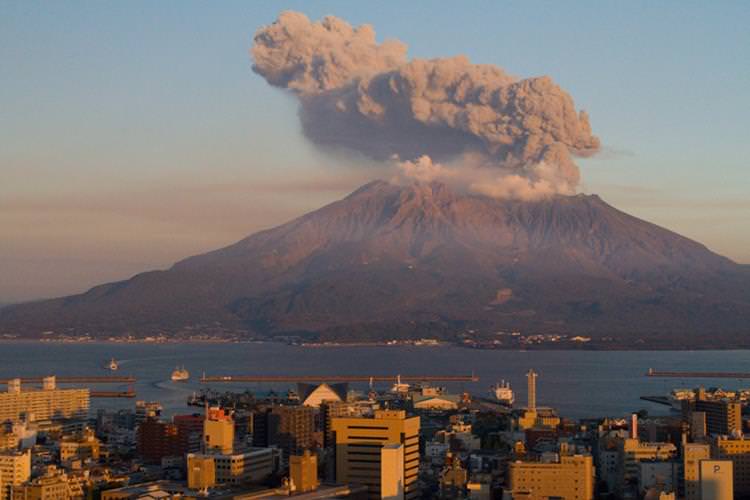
[[421, 260]]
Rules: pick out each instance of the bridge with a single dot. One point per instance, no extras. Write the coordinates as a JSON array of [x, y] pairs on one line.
[[337, 378], [676, 374]]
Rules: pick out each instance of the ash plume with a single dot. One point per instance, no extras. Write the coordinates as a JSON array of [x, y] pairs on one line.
[[517, 137]]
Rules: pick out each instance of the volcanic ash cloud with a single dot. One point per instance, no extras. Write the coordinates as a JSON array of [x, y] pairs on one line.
[[367, 97]]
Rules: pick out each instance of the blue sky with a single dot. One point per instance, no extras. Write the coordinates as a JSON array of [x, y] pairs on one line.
[[133, 134]]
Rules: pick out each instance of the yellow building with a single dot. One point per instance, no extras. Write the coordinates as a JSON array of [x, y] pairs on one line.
[[49, 403], [359, 449], [252, 466], [303, 472], [392, 471], [52, 486], [201, 471], [716, 479], [633, 451], [722, 417], [533, 416], [80, 447], [738, 451], [15, 469], [692, 454], [218, 432], [8, 441], [572, 478]]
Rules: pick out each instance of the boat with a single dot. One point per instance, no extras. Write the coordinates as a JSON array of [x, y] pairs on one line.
[[503, 393], [400, 388], [180, 374], [112, 365]]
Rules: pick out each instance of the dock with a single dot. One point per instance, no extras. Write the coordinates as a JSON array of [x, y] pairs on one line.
[[337, 378], [669, 374]]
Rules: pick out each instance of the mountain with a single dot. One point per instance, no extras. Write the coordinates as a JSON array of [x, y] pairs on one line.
[[420, 260]]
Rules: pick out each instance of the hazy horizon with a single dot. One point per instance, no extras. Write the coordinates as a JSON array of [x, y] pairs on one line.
[[135, 135]]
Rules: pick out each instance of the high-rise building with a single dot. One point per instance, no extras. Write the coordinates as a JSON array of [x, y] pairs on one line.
[[218, 432], [338, 409], [15, 469], [723, 418], [692, 454], [303, 472], [157, 439], [738, 451], [392, 471], [716, 479], [189, 432], [49, 403], [572, 478], [296, 430], [359, 449]]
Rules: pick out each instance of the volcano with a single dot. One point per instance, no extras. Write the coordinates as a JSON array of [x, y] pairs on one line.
[[420, 260]]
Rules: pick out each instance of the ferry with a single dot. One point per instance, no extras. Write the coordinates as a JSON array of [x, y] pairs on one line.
[[112, 365], [398, 387], [180, 374], [503, 393]]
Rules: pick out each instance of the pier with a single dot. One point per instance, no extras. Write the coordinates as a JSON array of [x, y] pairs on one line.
[[337, 378], [668, 374], [83, 379]]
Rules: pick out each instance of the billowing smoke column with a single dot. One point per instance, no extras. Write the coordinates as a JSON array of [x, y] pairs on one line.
[[441, 118]]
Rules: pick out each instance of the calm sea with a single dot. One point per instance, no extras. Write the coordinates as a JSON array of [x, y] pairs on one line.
[[578, 383]]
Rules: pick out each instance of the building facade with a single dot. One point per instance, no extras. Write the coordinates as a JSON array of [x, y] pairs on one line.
[[359, 443]]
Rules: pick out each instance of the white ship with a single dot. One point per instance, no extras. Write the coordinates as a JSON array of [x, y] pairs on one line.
[[180, 374], [399, 387], [112, 365], [503, 393]]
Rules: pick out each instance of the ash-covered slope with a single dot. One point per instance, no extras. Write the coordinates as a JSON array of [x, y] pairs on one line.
[[420, 260]]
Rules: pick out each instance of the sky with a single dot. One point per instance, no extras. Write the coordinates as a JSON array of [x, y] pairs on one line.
[[134, 134]]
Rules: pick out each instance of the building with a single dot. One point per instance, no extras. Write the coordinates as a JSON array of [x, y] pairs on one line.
[[218, 432], [658, 475], [15, 469], [53, 485], [738, 451], [571, 478], [716, 478], [295, 429], [631, 451], [331, 409], [303, 472], [315, 395], [533, 416], [360, 446], [156, 440], [436, 401], [80, 447], [692, 454], [723, 418], [201, 471], [251, 466], [49, 403], [189, 432]]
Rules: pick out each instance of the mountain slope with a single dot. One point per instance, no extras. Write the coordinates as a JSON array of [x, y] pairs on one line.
[[391, 261]]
